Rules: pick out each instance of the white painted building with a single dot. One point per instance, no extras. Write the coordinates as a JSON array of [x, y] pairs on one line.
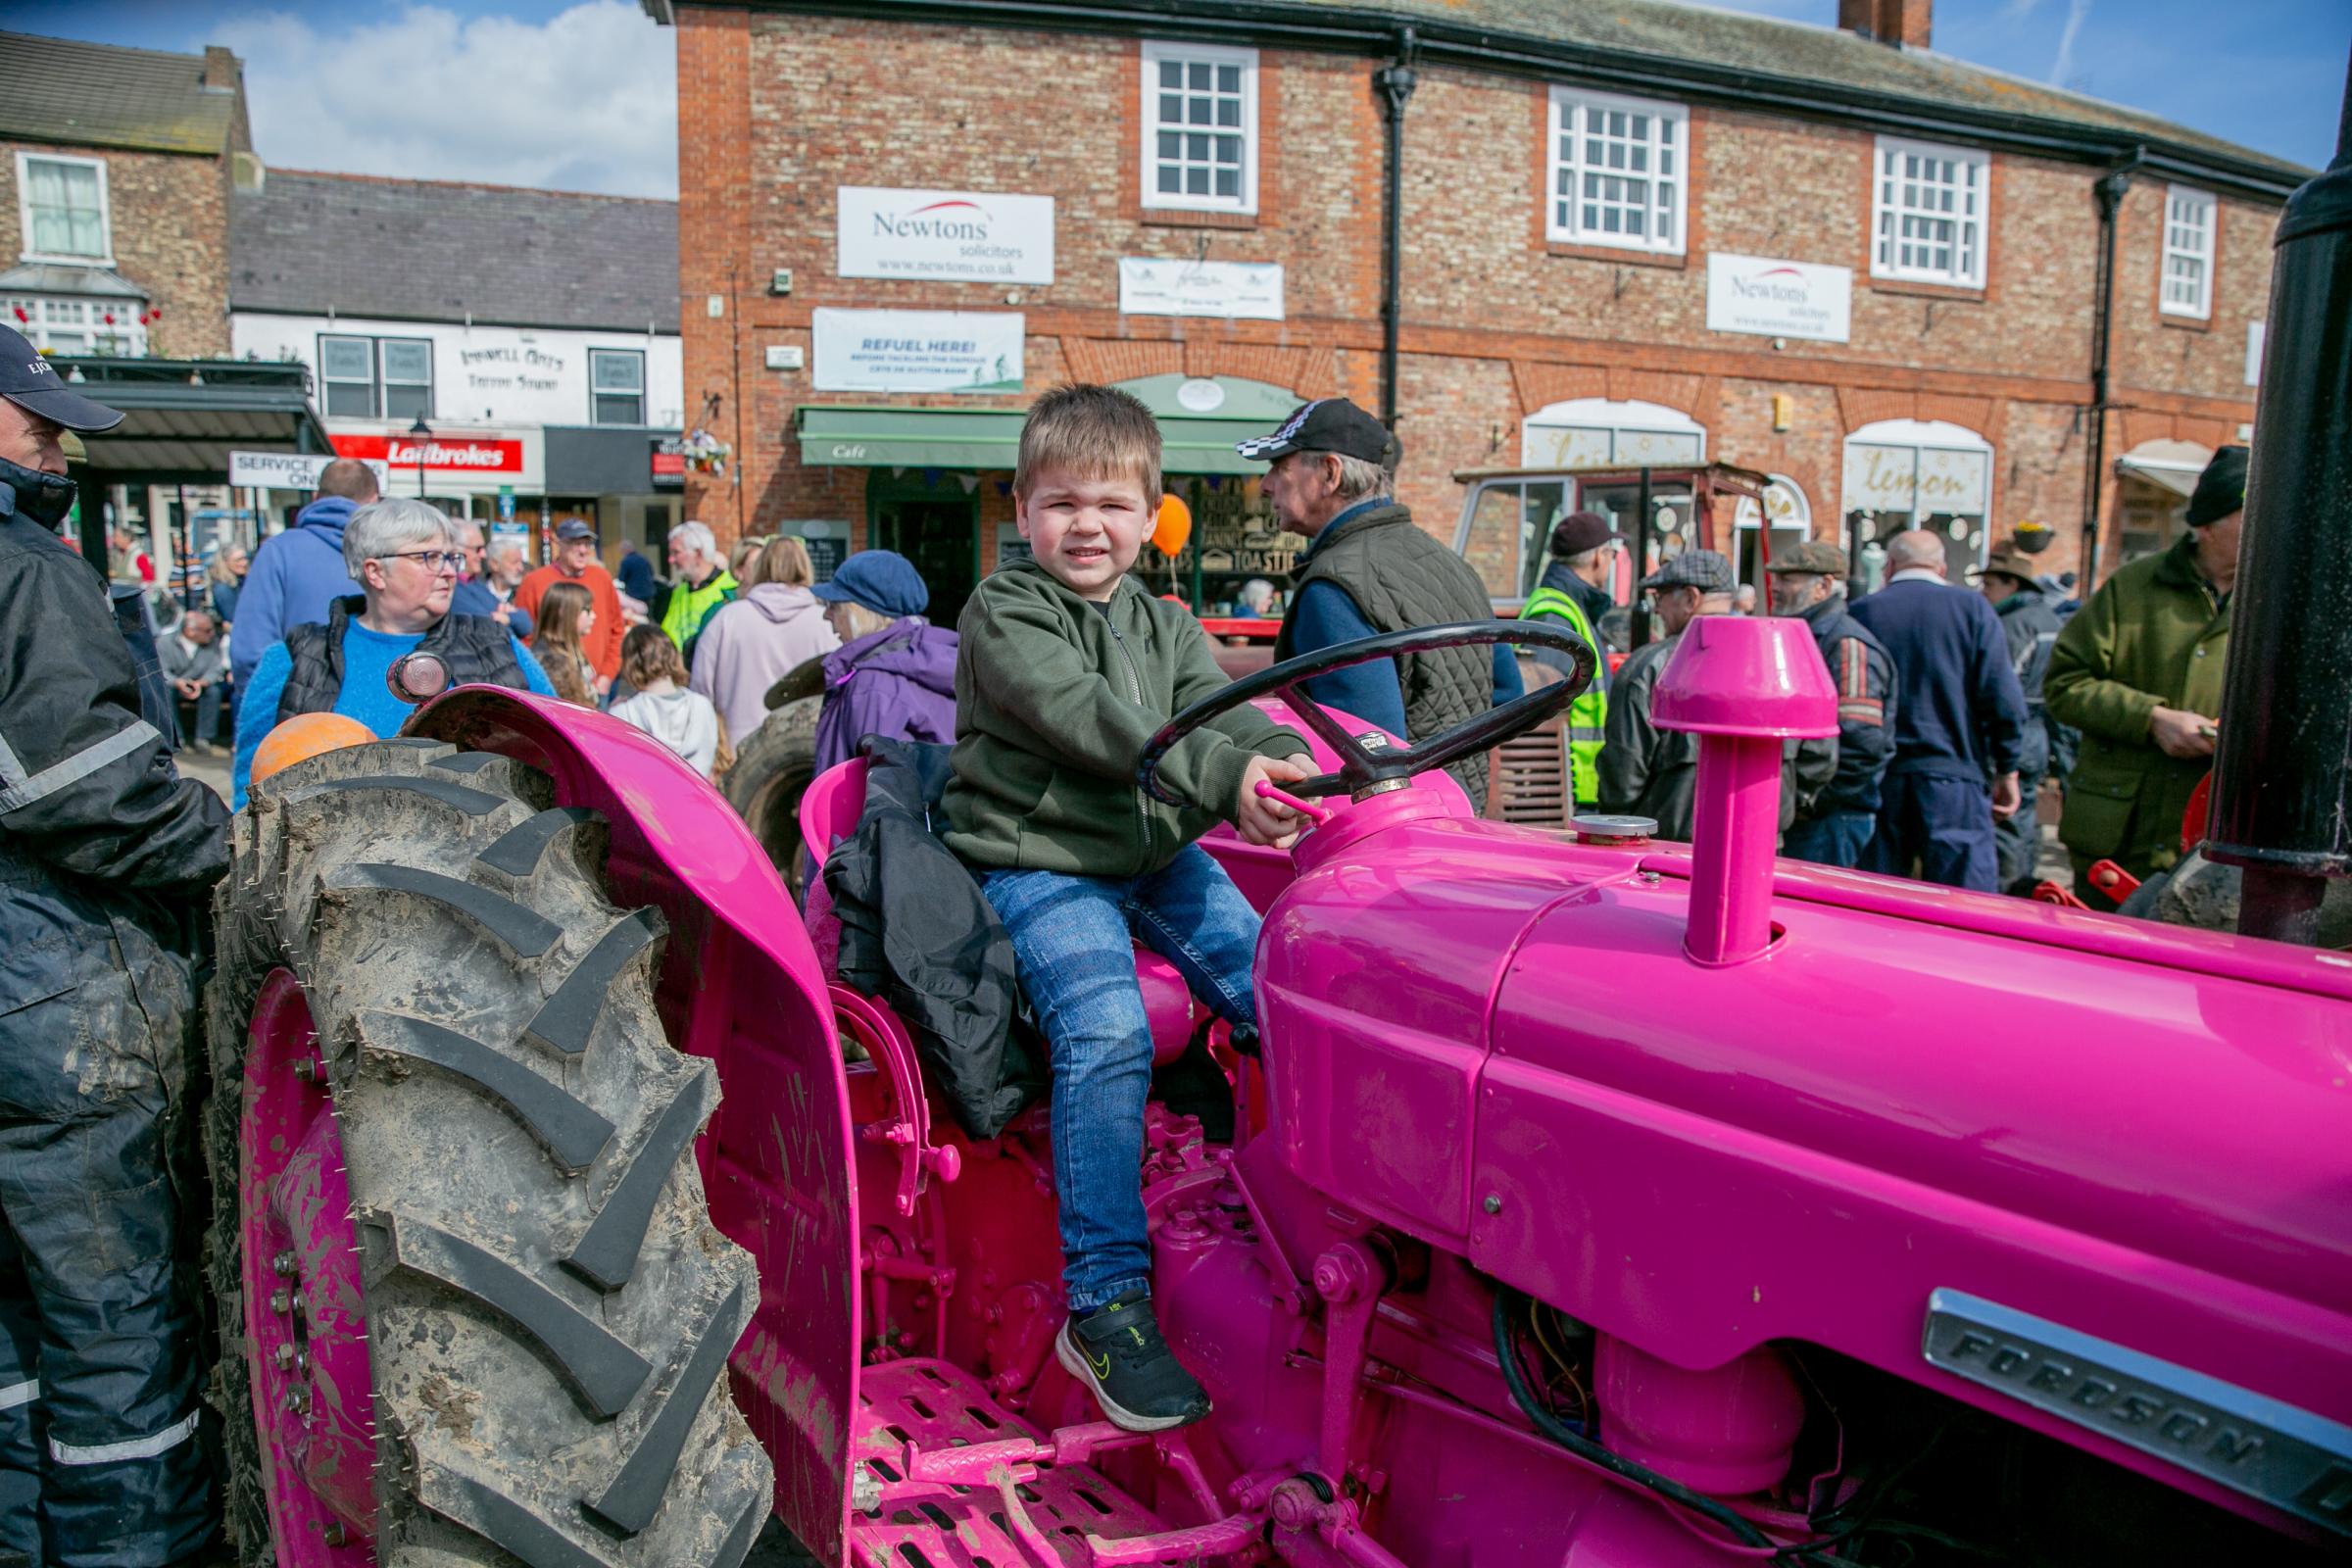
[[532, 333]]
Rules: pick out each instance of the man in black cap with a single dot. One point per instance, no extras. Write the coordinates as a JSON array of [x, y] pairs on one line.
[[1833, 825], [1366, 569], [2138, 671], [105, 856], [1574, 593]]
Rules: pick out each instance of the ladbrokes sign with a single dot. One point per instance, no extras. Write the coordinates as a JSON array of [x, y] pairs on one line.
[[958, 236], [460, 453]]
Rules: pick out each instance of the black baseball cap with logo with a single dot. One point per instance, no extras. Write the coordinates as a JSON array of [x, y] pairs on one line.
[[32, 383], [1327, 424]]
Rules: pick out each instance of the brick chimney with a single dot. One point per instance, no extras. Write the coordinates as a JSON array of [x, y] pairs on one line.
[[221, 70], [1896, 22]]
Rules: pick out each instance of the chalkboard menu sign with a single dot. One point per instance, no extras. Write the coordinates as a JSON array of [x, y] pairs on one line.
[[828, 545]]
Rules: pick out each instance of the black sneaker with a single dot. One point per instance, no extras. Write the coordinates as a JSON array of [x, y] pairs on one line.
[[1117, 1350]]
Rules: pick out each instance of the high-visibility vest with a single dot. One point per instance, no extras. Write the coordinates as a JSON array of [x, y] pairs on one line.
[[1591, 711]]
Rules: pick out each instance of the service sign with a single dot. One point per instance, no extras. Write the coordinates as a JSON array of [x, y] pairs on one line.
[[290, 470], [1769, 298], [955, 236], [460, 454], [1155, 285], [917, 351]]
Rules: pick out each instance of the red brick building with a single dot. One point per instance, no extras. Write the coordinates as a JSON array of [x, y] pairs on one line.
[[1629, 230]]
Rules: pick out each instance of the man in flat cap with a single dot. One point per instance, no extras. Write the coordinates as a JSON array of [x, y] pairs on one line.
[[2030, 626], [1834, 826], [1367, 569], [1574, 593], [1644, 770], [2138, 669], [105, 856]]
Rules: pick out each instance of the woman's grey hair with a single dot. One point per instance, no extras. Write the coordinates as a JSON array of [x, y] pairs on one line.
[[383, 529], [1360, 480]]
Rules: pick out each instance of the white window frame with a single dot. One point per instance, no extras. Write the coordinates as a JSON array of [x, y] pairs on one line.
[[375, 400], [1154, 54], [595, 392], [1564, 101], [1885, 242], [127, 331], [106, 209], [2201, 307], [384, 382]]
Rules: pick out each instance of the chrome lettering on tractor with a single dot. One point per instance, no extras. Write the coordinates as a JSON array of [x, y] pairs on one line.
[[2268, 1449]]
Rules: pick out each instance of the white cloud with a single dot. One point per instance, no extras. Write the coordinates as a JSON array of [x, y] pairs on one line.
[[2062, 68], [586, 100]]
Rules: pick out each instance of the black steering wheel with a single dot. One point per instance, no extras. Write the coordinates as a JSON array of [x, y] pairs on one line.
[[1371, 767]]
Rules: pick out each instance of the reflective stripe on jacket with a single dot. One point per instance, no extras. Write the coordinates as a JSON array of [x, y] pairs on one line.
[[1589, 714]]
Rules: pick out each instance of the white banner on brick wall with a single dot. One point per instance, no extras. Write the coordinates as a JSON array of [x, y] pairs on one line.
[[917, 351], [960, 236], [1160, 285], [292, 471], [1768, 298]]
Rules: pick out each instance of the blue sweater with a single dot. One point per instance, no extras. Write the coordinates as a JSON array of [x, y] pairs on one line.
[[294, 577], [1325, 615], [366, 662], [1959, 713]]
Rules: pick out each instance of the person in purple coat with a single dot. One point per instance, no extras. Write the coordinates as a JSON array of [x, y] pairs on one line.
[[895, 673]]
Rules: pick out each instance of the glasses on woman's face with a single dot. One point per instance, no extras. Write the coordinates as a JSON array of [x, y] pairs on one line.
[[435, 561]]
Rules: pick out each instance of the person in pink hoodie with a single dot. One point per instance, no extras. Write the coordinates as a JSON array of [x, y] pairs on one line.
[[776, 626]]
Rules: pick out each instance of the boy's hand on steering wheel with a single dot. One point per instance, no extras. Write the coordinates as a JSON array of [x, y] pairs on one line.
[[1265, 821]]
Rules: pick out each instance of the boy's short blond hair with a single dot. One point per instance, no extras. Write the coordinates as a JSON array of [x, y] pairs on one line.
[[1097, 432]]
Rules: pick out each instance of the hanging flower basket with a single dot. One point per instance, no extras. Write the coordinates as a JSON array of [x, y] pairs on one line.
[[705, 453]]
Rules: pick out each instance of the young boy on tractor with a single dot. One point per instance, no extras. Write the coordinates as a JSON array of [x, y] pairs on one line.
[[1065, 668]]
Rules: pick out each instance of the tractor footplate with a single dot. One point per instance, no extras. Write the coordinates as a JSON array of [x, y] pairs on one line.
[[933, 1408]]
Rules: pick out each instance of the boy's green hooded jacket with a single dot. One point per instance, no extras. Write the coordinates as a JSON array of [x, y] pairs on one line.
[[1054, 699]]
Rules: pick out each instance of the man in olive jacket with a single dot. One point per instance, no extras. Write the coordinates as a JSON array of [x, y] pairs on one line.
[[2139, 670]]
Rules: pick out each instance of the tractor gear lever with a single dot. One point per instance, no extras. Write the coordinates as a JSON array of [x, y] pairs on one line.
[[1366, 769]]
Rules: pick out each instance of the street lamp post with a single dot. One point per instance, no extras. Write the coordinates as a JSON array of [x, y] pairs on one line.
[[421, 434]]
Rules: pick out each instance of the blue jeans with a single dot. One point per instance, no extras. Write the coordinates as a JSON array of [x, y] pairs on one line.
[[1072, 942], [1942, 825], [1834, 838]]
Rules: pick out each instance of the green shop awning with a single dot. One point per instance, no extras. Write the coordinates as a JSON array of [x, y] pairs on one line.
[[899, 438]]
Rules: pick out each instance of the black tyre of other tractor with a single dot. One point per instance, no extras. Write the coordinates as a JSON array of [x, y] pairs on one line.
[[517, 1137], [773, 768]]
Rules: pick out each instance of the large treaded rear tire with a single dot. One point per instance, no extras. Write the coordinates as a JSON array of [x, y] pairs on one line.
[[773, 768], [518, 1135]]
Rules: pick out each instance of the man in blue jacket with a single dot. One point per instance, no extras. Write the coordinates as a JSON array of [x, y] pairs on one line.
[[1960, 721], [297, 574]]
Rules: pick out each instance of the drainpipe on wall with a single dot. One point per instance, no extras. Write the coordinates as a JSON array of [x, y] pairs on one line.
[[2110, 194], [1396, 84]]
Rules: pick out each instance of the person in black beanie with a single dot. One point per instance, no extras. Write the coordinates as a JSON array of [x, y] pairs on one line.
[[2138, 671]]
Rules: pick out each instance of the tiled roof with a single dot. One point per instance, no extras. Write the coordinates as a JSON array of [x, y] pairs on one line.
[[1797, 51], [432, 250], [98, 95]]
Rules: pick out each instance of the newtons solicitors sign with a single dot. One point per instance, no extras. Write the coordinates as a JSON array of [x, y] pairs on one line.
[[956, 235], [1769, 298]]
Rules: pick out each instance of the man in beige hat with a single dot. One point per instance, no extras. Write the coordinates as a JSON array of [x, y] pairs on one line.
[[2030, 627]]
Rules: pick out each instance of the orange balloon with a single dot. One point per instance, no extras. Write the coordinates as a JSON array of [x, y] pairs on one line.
[[304, 736], [1174, 528]]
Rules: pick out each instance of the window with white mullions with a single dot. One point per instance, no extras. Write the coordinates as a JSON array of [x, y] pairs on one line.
[[65, 207], [1928, 212], [408, 376], [369, 378], [1617, 171], [616, 387], [2189, 234], [1199, 128], [347, 373]]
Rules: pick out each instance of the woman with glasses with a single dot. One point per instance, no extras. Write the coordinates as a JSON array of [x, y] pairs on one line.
[[405, 557]]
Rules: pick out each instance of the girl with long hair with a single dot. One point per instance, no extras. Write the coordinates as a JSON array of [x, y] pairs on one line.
[[661, 707], [567, 616]]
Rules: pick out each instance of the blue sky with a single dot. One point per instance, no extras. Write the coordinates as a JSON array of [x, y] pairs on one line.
[[578, 94]]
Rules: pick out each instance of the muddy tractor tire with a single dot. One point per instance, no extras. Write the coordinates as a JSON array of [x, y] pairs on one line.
[[495, 1318], [772, 770]]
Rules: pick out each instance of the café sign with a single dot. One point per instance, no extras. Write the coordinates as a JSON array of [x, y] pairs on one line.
[[951, 235], [1768, 298]]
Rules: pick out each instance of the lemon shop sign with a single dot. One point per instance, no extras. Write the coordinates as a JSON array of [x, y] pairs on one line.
[[956, 235], [1768, 298], [919, 351]]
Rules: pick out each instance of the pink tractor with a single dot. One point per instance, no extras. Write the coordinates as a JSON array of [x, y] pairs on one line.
[[1586, 1200]]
